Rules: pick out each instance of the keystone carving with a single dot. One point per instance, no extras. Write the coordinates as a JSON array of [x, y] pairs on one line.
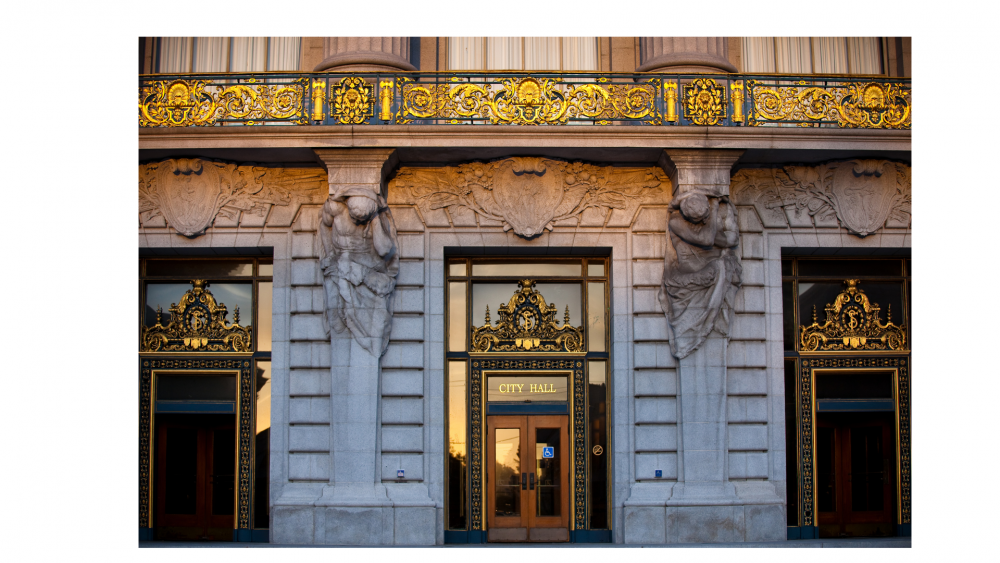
[[360, 263], [528, 194], [862, 194], [190, 193]]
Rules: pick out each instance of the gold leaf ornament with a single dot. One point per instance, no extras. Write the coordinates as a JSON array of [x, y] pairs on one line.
[[352, 102], [704, 102]]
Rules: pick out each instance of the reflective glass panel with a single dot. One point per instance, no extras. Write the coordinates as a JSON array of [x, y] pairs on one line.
[[788, 313], [457, 487], [596, 317], [598, 407], [196, 388], [548, 489], [162, 296], [199, 268], [262, 451], [181, 474], [791, 441], [457, 330], [265, 269], [831, 267], [456, 269], [853, 385], [508, 471], [867, 469], [494, 295], [595, 268], [527, 269], [223, 476], [265, 296]]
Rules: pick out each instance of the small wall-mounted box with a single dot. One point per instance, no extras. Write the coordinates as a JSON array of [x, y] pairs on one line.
[[399, 474], [659, 473]]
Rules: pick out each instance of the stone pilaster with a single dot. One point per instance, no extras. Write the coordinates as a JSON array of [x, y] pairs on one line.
[[366, 54], [355, 507], [684, 54]]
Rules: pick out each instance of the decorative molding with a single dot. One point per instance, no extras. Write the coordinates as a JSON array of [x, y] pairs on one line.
[[528, 194], [862, 194], [190, 193], [852, 324], [527, 324], [197, 323]]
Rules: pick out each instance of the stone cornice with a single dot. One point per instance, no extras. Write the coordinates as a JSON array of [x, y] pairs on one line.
[[516, 136]]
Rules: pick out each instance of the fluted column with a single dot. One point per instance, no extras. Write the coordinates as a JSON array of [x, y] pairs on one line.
[[366, 54], [684, 54]]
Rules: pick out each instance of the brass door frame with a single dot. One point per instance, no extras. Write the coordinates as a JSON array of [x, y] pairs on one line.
[[806, 425], [150, 369]]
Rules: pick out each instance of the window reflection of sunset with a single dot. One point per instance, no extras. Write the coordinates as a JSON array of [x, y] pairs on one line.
[[508, 441]]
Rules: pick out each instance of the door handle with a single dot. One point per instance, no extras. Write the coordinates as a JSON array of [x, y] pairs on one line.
[[524, 481], [531, 482]]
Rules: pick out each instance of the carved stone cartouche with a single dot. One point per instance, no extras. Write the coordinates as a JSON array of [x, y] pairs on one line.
[[862, 194], [528, 194], [190, 193]]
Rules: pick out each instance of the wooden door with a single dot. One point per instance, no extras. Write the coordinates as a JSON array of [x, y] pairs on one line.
[[856, 463], [528, 478], [195, 477]]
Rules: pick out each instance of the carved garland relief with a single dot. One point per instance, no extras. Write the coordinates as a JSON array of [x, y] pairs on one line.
[[528, 194], [862, 195], [190, 193]]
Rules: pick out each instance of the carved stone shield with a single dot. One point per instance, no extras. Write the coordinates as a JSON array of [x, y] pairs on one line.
[[189, 194], [527, 194], [864, 192]]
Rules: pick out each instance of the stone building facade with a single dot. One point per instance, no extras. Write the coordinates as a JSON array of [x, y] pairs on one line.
[[692, 246]]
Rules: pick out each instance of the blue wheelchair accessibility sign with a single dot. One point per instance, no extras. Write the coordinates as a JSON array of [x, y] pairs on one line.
[[548, 452]]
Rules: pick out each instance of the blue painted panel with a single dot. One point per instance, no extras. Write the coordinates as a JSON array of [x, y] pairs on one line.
[[590, 536], [527, 408], [854, 405], [165, 407]]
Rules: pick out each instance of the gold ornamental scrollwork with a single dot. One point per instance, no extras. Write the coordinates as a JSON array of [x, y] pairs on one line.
[[869, 105], [527, 324], [528, 101], [184, 103], [352, 101], [197, 324], [704, 102], [853, 323]]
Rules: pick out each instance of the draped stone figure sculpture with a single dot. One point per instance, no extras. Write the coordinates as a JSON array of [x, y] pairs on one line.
[[701, 270], [360, 263]]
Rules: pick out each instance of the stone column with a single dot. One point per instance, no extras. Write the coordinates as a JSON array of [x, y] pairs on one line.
[[366, 54], [684, 54]]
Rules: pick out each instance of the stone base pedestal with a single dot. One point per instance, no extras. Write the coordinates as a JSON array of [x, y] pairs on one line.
[[393, 514], [672, 524]]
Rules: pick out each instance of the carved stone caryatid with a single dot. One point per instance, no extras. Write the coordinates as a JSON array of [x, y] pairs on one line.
[[863, 195], [529, 194], [701, 270], [191, 193], [360, 259], [360, 264]]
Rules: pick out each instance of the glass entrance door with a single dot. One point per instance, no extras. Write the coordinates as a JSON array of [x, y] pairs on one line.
[[855, 474], [195, 476], [528, 479]]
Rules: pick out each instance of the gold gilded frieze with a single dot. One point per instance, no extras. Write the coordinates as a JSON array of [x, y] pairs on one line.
[[184, 103], [529, 101], [197, 324], [853, 323], [527, 324]]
